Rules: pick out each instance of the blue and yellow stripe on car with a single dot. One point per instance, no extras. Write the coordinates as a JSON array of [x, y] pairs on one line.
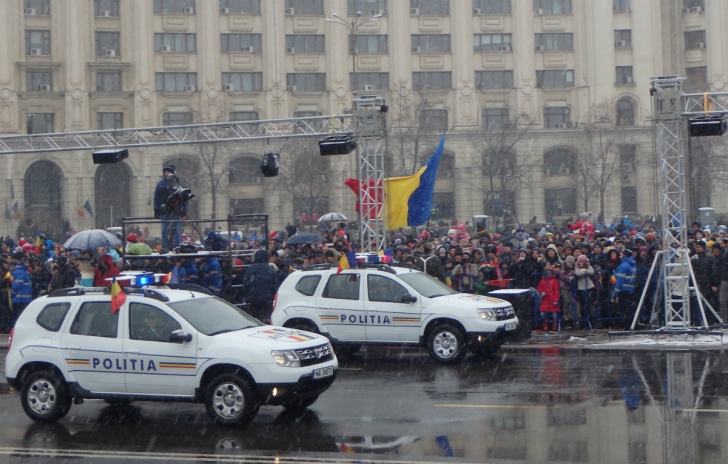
[[78, 362], [177, 365], [406, 319]]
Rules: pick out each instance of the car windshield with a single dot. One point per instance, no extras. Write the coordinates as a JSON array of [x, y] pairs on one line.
[[425, 285], [212, 316]]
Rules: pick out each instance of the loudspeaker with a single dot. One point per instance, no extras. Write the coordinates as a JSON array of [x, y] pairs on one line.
[[110, 156], [269, 165], [522, 301], [337, 145], [708, 127]]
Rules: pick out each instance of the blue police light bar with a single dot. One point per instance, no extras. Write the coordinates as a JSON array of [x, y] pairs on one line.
[[110, 156], [145, 279]]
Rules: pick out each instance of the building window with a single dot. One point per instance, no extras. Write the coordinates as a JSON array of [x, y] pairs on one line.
[[555, 79], [106, 121], [176, 119], [491, 42], [627, 157], [431, 7], [694, 4], [37, 42], [430, 43], [241, 6], [433, 120], [176, 82], [495, 118], [625, 112], [695, 40], [368, 44], [553, 7], [247, 205], [432, 80], [553, 118], [306, 7], [629, 199], [489, 80], [40, 123], [493, 7], [306, 114], [237, 42], [622, 6], [559, 202], [243, 170], [443, 205], [697, 79], [175, 42], [243, 81], [554, 42], [108, 81], [306, 82], [108, 43], [174, 6], [378, 81], [244, 116], [106, 8], [37, 7], [305, 43], [43, 188], [623, 38], [559, 162], [367, 7], [34, 80], [624, 75]]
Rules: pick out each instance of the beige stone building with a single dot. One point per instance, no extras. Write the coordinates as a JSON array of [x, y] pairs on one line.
[[445, 65]]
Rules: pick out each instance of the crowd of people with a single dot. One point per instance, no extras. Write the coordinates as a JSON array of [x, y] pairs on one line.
[[582, 276]]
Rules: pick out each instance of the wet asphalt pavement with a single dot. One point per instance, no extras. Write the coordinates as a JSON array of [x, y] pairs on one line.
[[529, 405]]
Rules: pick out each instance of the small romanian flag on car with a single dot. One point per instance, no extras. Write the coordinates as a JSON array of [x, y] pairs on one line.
[[118, 297], [347, 261]]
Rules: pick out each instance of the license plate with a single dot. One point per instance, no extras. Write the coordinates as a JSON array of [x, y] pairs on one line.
[[511, 326], [323, 372]]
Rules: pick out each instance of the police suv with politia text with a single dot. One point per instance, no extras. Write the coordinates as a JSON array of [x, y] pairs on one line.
[[161, 345], [378, 303]]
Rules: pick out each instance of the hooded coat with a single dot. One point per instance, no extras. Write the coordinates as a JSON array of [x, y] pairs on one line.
[[212, 276], [555, 259], [625, 275], [260, 281], [110, 272], [22, 289]]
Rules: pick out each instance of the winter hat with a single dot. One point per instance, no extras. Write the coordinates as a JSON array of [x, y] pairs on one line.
[[570, 259], [582, 259], [626, 253]]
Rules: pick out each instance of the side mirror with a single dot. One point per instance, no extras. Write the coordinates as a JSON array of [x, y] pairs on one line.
[[178, 336], [408, 299]]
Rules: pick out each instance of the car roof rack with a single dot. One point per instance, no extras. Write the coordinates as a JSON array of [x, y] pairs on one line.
[[80, 291], [317, 267]]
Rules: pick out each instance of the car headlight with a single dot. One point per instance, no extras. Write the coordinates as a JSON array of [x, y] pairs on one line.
[[487, 314], [286, 358]]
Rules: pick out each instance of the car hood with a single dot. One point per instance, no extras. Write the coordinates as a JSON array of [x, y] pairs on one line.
[[467, 300], [273, 337]]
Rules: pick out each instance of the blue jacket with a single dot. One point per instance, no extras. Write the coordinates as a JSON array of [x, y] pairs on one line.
[[22, 289], [160, 195], [212, 276], [188, 274], [625, 275]]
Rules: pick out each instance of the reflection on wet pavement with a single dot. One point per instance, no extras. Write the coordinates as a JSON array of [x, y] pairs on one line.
[[537, 406]]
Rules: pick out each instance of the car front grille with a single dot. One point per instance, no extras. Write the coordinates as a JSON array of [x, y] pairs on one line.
[[315, 355], [503, 314]]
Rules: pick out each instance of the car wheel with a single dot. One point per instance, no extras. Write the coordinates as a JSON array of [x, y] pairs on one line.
[[446, 344], [303, 325], [300, 403], [230, 400], [45, 397]]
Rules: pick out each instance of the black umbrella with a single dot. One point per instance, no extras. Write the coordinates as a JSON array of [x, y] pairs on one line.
[[303, 239], [91, 239]]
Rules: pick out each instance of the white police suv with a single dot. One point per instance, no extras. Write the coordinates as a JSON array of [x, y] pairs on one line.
[[162, 345], [388, 304]]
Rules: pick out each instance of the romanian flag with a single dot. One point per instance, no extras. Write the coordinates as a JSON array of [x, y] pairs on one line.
[[387, 255], [38, 244], [347, 261], [80, 210], [613, 279], [408, 200], [118, 297]]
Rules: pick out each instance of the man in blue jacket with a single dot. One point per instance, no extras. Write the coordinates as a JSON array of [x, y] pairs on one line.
[[22, 290], [623, 297], [171, 233], [211, 275]]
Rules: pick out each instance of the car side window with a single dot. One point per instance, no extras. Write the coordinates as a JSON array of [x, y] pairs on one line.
[[51, 317], [95, 319], [342, 287], [150, 324], [384, 289], [308, 284]]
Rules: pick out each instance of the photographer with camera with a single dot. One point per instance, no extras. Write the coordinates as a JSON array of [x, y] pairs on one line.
[[170, 204]]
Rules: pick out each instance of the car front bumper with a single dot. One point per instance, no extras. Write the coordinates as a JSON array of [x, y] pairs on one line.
[[281, 393]]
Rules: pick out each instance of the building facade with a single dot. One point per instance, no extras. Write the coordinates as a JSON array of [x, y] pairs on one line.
[[554, 76]]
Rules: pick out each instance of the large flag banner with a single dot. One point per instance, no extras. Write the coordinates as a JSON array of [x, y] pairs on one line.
[[118, 297], [87, 205], [408, 200]]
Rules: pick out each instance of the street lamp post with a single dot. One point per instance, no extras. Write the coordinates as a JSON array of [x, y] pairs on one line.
[[353, 27]]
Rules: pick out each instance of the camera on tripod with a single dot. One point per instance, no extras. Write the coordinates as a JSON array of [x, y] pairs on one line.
[[177, 195]]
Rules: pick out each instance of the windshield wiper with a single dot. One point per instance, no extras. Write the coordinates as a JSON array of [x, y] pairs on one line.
[[435, 296]]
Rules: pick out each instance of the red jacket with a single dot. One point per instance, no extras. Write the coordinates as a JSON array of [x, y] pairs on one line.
[[111, 271], [548, 288], [585, 228]]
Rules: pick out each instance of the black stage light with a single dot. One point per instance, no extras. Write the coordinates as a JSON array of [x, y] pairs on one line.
[[269, 165], [110, 156], [337, 145], [708, 126]]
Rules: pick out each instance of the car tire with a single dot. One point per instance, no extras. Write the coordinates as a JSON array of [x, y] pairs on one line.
[[446, 343], [45, 397], [303, 325], [230, 400], [300, 404]]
